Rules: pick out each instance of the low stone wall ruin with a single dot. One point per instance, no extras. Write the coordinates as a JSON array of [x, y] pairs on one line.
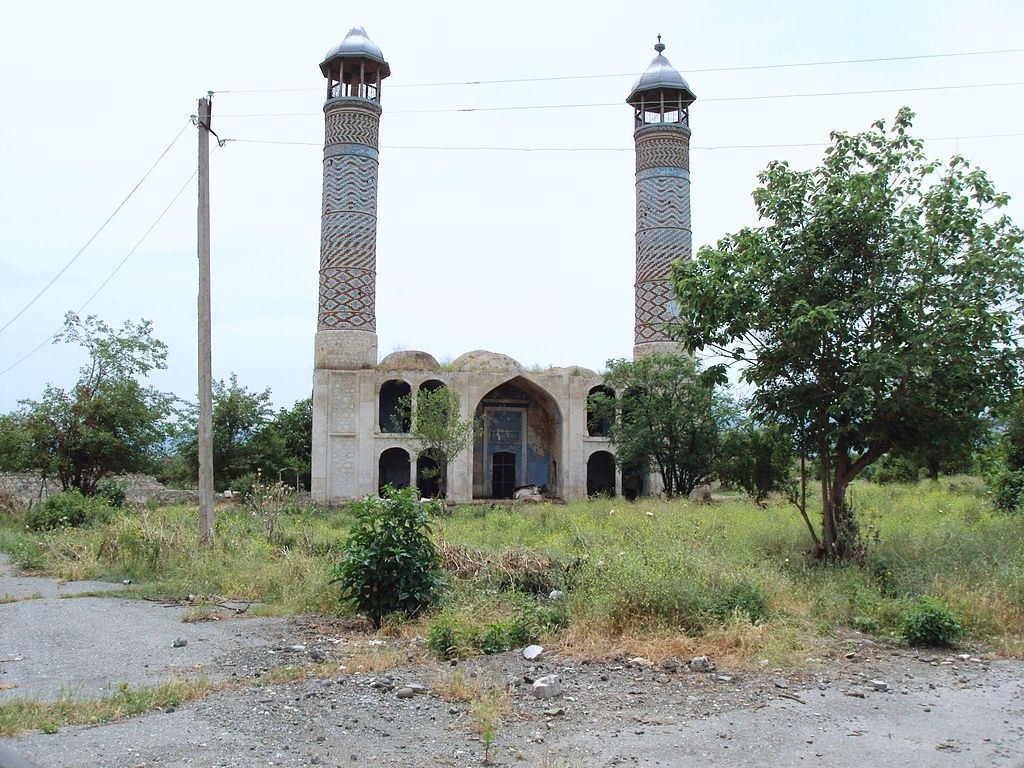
[[32, 487]]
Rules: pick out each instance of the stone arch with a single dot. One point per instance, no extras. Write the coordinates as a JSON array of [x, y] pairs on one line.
[[521, 418], [393, 468], [391, 417], [431, 385], [601, 474], [596, 426]]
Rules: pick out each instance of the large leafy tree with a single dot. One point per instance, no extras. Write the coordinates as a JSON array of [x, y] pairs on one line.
[[283, 447], [239, 415], [880, 301], [108, 422], [666, 418]]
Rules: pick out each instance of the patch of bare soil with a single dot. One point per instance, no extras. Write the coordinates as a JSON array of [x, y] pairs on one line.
[[859, 704]]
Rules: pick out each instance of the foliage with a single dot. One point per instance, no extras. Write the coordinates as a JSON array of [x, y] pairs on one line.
[[928, 622], [438, 430], [113, 491], [15, 443], [284, 445], [68, 509], [389, 563], [457, 633], [238, 416], [267, 502], [1010, 491], [665, 418], [880, 302], [757, 458], [108, 423]]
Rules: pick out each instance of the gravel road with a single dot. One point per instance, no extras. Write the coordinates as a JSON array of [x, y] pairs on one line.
[[862, 704]]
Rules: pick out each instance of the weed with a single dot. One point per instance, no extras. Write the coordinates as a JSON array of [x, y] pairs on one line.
[[928, 622]]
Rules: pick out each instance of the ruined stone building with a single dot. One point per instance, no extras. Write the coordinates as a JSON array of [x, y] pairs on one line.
[[535, 426]]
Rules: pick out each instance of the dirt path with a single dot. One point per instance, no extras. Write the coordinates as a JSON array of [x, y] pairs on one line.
[[882, 706]]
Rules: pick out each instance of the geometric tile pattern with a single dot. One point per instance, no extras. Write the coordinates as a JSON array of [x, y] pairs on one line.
[[655, 306], [349, 184], [348, 122], [663, 146], [347, 300], [662, 225], [348, 227], [663, 201]]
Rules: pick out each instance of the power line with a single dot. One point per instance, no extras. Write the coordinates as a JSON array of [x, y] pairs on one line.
[[756, 97], [747, 68], [696, 148], [96, 234], [109, 277]]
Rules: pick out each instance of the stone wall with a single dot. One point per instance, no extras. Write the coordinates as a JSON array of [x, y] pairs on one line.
[[31, 487]]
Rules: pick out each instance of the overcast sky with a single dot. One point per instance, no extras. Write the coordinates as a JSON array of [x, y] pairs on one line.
[[526, 253]]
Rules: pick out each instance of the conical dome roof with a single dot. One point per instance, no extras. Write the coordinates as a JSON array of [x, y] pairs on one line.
[[660, 77], [356, 45]]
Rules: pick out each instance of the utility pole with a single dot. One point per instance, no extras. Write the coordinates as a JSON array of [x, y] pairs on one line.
[[205, 437]]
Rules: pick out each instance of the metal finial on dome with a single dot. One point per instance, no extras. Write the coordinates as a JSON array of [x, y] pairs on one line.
[[660, 46]]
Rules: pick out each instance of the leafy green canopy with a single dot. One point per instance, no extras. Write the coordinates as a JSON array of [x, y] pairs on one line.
[[666, 418], [878, 307], [108, 422]]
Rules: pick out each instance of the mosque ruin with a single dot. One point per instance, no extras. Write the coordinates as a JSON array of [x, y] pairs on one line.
[[536, 429]]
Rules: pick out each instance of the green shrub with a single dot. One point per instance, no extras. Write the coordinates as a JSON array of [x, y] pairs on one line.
[[454, 634], [742, 597], [389, 563], [1010, 491], [69, 509], [113, 491], [928, 622]]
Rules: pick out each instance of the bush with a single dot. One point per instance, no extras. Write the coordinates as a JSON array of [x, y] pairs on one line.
[[454, 634], [69, 509], [928, 622], [389, 563], [1010, 491], [742, 597], [113, 491]]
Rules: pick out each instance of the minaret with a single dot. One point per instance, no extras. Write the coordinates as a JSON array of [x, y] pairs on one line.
[[661, 100], [346, 336]]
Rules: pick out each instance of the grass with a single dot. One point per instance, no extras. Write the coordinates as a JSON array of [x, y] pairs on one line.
[[650, 578], [7, 598], [19, 716]]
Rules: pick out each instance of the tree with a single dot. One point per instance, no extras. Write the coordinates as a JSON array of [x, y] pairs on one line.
[[285, 443], [757, 458], [15, 442], [666, 418], [437, 429], [238, 416], [108, 422], [881, 300]]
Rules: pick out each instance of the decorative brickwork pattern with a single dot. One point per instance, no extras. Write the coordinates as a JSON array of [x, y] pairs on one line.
[[655, 306], [662, 225], [347, 300], [663, 201], [351, 123], [349, 240], [350, 184], [662, 147], [348, 229]]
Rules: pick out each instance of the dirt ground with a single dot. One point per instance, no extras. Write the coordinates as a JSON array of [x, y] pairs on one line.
[[860, 704]]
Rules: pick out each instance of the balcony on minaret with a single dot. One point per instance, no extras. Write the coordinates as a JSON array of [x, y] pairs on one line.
[[355, 68], [661, 95]]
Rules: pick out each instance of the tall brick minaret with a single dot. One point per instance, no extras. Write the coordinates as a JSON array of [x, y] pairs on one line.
[[346, 335], [661, 101], [346, 328]]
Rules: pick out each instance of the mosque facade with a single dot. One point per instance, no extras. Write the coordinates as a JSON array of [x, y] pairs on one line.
[[535, 428]]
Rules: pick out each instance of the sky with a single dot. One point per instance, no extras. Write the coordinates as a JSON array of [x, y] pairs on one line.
[[481, 245]]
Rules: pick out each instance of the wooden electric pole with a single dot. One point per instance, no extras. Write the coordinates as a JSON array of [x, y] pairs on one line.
[[205, 437]]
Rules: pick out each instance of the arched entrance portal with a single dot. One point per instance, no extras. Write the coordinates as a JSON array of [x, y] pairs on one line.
[[601, 474], [520, 442]]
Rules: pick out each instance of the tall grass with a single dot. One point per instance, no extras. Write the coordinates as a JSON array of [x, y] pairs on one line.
[[653, 576]]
